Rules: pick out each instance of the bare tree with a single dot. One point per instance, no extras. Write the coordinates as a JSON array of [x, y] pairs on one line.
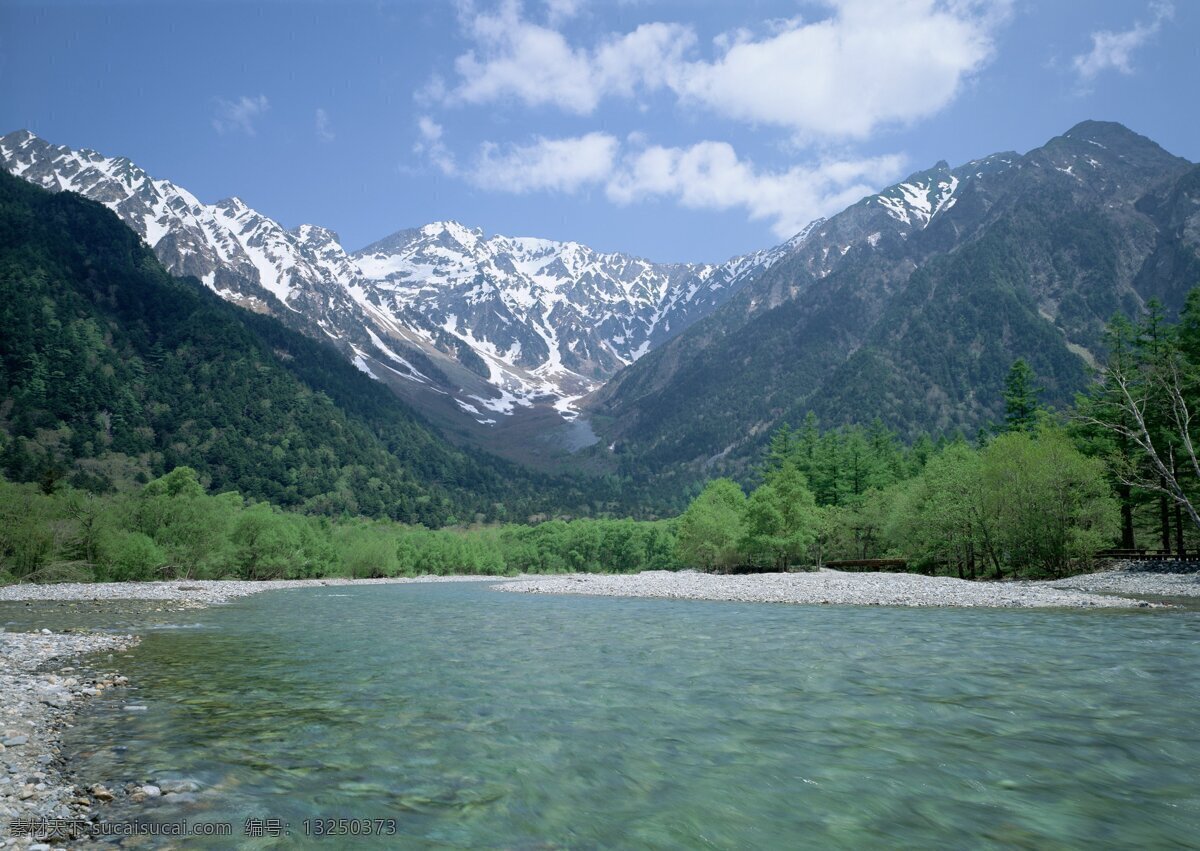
[[1133, 394]]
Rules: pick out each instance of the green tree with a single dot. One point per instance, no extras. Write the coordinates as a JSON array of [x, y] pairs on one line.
[[129, 557], [1103, 402], [1020, 398], [709, 530], [1049, 503], [939, 519]]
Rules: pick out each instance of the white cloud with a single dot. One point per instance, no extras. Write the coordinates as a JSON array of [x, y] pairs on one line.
[[705, 176], [558, 11], [1113, 50], [710, 176], [239, 115], [515, 58], [324, 126], [559, 165], [870, 62], [430, 145]]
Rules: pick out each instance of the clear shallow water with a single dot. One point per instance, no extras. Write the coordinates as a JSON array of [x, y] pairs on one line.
[[104, 615], [479, 719]]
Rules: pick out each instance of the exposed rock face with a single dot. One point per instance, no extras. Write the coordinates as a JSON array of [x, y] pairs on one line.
[[495, 323], [912, 304]]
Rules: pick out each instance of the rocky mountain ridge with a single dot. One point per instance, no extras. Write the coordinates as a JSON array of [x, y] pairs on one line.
[[441, 312], [911, 304]]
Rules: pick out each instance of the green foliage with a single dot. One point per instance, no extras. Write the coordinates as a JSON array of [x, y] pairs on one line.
[[1025, 504], [710, 530], [1138, 417], [180, 482], [28, 530], [129, 556], [861, 529], [1046, 503], [843, 464], [113, 373], [781, 519], [368, 551], [938, 519], [172, 529], [1020, 398]]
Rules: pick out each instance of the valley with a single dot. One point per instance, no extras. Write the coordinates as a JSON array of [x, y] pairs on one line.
[[906, 305], [559, 424]]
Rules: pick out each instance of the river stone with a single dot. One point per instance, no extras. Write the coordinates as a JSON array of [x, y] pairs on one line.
[[57, 699], [100, 793], [151, 791], [15, 741], [176, 787]]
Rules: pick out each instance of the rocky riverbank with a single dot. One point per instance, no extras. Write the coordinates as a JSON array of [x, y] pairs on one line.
[[196, 593], [1136, 581], [42, 684], [47, 676], [831, 587]]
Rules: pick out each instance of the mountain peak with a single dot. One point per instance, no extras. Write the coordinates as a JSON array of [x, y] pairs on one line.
[[315, 233], [233, 203], [1122, 142], [1092, 128], [20, 137], [454, 229]]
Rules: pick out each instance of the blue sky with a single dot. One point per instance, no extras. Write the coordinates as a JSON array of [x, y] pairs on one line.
[[672, 130]]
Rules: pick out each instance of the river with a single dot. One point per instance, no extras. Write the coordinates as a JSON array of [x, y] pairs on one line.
[[466, 718]]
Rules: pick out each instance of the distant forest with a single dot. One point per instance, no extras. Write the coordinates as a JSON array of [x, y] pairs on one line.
[[1037, 495], [150, 430]]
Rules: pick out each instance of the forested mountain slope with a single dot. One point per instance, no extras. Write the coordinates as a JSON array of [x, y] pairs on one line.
[[912, 304], [480, 332], [110, 369]]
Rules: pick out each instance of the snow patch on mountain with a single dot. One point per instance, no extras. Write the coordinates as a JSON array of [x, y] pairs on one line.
[[549, 320], [520, 321], [919, 199]]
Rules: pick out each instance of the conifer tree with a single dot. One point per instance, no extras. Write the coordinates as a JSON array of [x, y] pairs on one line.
[[1020, 398]]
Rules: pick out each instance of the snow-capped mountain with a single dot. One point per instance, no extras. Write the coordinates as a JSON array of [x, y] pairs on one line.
[[494, 323], [242, 255], [537, 317], [911, 303], [480, 325]]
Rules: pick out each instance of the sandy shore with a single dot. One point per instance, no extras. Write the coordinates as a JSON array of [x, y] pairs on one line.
[[855, 589]]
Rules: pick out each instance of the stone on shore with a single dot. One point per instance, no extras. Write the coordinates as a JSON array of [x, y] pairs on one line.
[[824, 587]]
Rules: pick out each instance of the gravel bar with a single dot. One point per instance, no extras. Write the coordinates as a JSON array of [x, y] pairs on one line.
[[829, 587], [1134, 583], [43, 685], [200, 592], [39, 696]]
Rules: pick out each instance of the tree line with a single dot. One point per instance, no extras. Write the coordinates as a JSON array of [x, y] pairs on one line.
[[1036, 495], [173, 529]]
